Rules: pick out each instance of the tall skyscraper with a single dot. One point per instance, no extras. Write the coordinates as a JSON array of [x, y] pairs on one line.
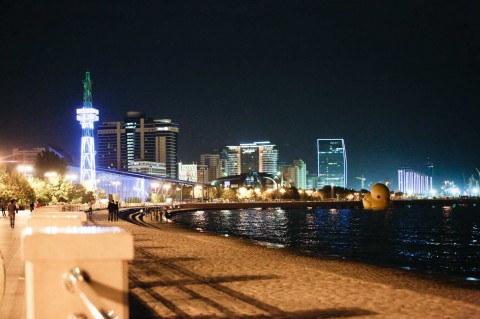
[[332, 162], [259, 157], [87, 115], [138, 138]]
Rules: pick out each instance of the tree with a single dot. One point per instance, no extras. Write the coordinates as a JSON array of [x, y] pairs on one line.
[[229, 195], [79, 194], [42, 192], [48, 161], [215, 192], [15, 186]]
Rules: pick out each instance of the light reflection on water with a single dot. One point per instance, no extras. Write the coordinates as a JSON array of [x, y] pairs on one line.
[[439, 240]]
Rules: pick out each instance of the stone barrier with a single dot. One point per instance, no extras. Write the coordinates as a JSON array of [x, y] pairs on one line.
[[71, 271]]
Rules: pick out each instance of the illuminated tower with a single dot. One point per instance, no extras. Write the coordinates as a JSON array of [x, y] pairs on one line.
[[86, 116]]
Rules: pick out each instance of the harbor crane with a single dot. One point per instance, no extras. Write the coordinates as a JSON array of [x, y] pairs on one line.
[[363, 181]]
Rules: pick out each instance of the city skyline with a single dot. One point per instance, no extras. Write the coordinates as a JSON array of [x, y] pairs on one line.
[[398, 82]]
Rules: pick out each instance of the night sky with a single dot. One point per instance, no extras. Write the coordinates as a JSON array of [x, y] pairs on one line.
[[398, 80]]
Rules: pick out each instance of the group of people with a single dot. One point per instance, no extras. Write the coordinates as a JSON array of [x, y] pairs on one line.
[[112, 210]]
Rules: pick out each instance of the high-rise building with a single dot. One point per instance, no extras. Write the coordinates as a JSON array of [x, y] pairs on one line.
[[259, 157], [412, 182], [297, 174], [332, 162], [213, 164], [140, 139]]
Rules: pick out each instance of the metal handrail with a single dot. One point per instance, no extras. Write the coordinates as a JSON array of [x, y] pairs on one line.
[[76, 282]]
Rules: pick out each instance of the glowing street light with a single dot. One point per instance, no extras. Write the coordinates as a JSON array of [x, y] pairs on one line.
[[24, 169], [154, 185], [51, 176], [71, 177], [116, 183], [198, 189]]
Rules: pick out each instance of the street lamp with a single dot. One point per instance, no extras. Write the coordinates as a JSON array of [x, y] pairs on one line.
[[280, 175], [24, 169], [197, 189], [71, 177], [177, 189], [116, 183], [166, 187], [51, 176], [155, 185]]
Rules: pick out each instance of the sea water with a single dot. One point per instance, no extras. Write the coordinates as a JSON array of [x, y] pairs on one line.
[[437, 240]]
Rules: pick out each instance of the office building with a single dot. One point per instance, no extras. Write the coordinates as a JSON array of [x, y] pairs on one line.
[[138, 139], [259, 157], [213, 164], [411, 182], [187, 172], [25, 156], [297, 174], [202, 174], [150, 168], [312, 181], [29, 155], [332, 162]]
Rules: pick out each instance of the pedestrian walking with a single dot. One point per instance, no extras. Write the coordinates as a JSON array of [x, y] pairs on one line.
[[111, 210], [3, 209], [12, 208], [115, 215], [90, 210]]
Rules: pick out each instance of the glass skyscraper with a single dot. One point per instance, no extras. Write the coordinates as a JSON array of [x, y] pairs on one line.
[[332, 162]]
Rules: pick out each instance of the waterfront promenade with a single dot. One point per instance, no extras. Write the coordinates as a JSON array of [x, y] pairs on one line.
[[179, 273]]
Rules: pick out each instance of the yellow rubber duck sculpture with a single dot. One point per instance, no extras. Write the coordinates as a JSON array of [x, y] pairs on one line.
[[378, 198]]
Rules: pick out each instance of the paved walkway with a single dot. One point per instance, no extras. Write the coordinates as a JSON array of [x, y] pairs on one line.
[[183, 274], [12, 305]]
